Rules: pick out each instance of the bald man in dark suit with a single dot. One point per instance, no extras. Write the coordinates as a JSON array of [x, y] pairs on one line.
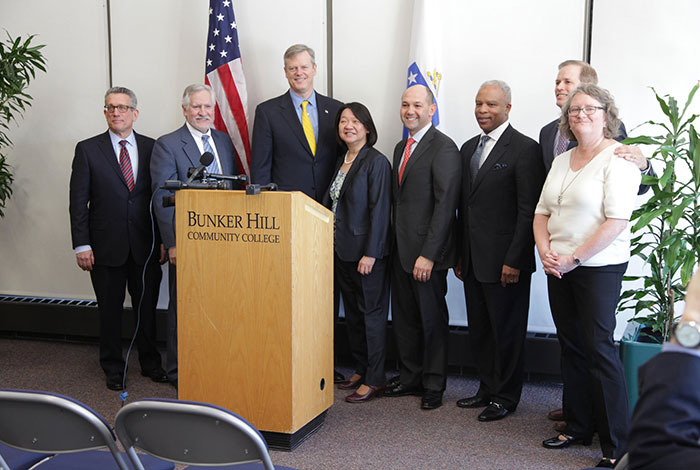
[[425, 182]]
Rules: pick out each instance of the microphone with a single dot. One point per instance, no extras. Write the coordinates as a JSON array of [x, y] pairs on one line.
[[204, 161]]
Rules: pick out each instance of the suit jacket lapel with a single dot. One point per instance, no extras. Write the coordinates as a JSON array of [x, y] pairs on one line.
[[325, 120], [420, 149], [353, 169], [105, 145], [226, 163], [189, 146], [496, 153], [290, 116], [143, 164]]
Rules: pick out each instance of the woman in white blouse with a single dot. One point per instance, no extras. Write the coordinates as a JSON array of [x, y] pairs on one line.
[[583, 239]]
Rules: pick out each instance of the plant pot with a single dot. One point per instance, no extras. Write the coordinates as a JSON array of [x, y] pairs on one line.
[[634, 354]]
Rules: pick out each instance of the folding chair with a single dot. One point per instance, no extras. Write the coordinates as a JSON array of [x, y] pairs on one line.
[[55, 424], [191, 433], [14, 459]]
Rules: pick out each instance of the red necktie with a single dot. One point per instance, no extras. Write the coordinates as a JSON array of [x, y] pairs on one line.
[[406, 155], [125, 164]]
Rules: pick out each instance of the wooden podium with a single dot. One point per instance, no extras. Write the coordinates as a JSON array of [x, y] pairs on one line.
[[255, 308]]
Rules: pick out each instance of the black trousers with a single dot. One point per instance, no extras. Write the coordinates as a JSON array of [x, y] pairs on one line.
[[497, 328], [110, 284], [583, 305], [366, 301], [171, 333], [420, 322]]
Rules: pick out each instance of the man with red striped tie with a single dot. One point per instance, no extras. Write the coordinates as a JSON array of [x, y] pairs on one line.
[[113, 235]]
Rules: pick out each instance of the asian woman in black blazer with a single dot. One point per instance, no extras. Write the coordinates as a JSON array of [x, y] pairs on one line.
[[360, 197]]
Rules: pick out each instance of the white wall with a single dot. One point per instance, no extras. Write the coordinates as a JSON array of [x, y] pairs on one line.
[[158, 48]]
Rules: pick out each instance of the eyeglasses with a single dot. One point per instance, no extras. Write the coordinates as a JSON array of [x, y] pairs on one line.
[[587, 110], [122, 108]]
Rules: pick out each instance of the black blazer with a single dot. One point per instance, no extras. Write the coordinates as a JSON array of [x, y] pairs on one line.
[[665, 426], [103, 212], [424, 206], [364, 207], [281, 154], [495, 214], [549, 132]]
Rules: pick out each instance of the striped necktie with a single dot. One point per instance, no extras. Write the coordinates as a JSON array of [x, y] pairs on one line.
[[125, 165], [308, 128], [213, 168]]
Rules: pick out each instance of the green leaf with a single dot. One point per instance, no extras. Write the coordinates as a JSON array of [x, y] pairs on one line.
[[690, 98]]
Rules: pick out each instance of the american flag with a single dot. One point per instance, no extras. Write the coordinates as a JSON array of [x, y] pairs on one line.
[[224, 74]]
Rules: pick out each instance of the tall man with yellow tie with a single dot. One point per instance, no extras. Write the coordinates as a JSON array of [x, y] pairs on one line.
[[294, 140], [294, 135]]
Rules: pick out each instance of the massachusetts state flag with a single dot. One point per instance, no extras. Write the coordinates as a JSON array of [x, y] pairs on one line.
[[425, 61], [224, 74]]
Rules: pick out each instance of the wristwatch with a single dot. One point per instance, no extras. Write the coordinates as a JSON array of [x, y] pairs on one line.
[[577, 261], [687, 334]]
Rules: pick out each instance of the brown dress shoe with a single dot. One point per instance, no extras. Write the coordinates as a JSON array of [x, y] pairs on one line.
[[560, 426], [556, 415], [350, 383], [373, 392]]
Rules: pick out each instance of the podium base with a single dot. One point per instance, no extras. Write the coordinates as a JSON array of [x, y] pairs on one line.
[[289, 442]]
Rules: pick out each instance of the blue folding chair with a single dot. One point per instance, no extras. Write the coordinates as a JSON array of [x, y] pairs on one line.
[[191, 433], [14, 459], [55, 424]]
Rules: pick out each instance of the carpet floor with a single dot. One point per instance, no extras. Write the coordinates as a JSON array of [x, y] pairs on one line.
[[385, 433]]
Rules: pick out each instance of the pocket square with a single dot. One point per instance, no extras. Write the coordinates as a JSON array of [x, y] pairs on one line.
[[500, 166]]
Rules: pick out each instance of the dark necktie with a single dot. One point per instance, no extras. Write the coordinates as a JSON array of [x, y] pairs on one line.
[[125, 164], [475, 162]]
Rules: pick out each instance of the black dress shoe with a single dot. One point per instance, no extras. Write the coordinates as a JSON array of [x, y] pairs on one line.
[[156, 374], [373, 392], [431, 400], [115, 382], [472, 402], [401, 391], [556, 443], [493, 412], [351, 384], [338, 377], [394, 381]]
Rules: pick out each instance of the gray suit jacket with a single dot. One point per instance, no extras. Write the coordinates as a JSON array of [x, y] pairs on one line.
[[173, 154]]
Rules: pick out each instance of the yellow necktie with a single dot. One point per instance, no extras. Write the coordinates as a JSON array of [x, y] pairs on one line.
[[308, 128]]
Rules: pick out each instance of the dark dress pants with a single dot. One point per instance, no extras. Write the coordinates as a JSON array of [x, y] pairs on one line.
[[421, 327], [583, 305], [497, 328], [171, 333], [110, 284], [366, 302]]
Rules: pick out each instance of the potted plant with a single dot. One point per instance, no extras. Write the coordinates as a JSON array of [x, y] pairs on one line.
[[666, 235], [19, 60]]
